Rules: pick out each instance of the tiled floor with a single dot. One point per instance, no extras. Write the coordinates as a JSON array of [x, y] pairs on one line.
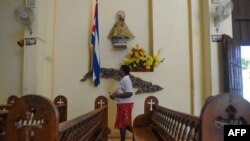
[[115, 136]]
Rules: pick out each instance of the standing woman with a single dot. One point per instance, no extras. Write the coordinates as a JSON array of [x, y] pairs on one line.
[[124, 97]]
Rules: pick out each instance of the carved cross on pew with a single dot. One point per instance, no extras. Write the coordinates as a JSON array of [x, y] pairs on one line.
[[101, 102], [151, 103], [29, 123], [231, 118], [60, 102], [12, 101]]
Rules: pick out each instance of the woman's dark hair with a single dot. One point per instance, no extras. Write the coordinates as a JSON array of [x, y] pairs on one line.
[[125, 69]]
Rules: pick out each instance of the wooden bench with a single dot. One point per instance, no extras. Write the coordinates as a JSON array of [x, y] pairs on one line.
[[3, 115], [62, 106], [220, 110], [11, 100], [60, 102], [36, 118], [159, 123]]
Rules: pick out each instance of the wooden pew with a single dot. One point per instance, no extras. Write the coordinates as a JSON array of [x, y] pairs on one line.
[[159, 123], [62, 105], [92, 126], [11, 100], [3, 115], [220, 110], [60, 102], [35, 118]]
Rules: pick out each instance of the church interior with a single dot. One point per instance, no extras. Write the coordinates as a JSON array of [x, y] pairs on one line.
[[51, 54]]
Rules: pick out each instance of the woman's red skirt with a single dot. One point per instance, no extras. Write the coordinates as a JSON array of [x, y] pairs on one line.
[[123, 115]]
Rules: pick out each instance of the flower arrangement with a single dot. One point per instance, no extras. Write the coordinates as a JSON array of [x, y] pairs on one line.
[[138, 58]]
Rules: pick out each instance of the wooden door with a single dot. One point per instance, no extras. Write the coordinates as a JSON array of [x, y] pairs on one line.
[[232, 66]]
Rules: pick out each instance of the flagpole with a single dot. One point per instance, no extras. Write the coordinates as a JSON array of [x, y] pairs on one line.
[[91, 15]]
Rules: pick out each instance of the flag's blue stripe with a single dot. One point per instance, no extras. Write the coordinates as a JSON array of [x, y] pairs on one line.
[[96, 67], [95, 43]]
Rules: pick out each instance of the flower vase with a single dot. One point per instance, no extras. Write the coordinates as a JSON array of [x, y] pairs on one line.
[[142, 69]]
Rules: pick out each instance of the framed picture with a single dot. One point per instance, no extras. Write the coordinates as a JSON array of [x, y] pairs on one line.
[[30, 41], [216, 38], [31, 3]]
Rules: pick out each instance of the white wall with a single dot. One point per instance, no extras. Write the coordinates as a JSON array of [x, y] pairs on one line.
[[216, 50], [10, 53], [181, 33], [170, 32]]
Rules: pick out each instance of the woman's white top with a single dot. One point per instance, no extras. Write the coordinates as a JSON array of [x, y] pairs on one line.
[[125, 85]]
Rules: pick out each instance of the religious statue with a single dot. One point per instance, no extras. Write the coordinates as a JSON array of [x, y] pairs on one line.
[[120, 33]]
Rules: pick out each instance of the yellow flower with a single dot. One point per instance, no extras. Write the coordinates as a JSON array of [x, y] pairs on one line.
[[157, 60], [138, 57]]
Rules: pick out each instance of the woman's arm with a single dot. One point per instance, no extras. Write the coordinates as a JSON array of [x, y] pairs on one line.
[[121, 95], [124, 95]]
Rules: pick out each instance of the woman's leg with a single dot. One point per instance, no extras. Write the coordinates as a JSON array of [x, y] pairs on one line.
[[123, 133]]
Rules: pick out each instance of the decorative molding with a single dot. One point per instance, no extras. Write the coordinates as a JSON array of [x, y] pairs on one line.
[[143, 86]]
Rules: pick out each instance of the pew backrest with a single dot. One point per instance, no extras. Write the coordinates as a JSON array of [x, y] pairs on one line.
[[167, 124], [32, 117], [61, 103], [174, 125], [36, 118], [83, 128], [220, 110], [11, 99], [3, 115], [88, 127]]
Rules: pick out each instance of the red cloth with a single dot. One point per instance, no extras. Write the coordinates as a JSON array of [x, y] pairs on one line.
[[123, 115]]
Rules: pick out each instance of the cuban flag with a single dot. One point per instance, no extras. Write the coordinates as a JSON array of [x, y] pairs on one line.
[[96, 47]]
